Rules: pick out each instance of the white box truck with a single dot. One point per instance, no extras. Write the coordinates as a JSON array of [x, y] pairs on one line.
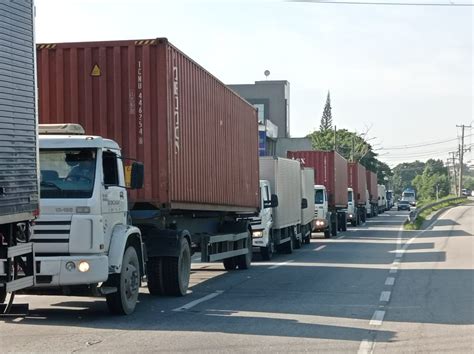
[[277, 227], [18, 148], [307, 198]]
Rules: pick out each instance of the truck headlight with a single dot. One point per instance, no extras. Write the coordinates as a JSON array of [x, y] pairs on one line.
[[83, 266], [257, 234], [351, 216]]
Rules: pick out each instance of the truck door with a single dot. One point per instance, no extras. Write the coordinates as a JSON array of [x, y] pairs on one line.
[[114, 194]]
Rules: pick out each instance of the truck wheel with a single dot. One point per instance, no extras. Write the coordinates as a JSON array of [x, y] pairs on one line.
[[288, 247], [307, 240], [343, 222], [229, 263], [334, 228], [124, 300], [327, 233], [244, 261], [267, 252], [177, 270], [155, 276], [297, 242]]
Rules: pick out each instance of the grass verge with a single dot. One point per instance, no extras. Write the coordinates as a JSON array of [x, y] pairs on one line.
[[418, 222]]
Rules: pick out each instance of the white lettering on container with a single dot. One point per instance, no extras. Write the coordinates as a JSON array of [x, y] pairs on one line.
[[175, 107], [140, 103]]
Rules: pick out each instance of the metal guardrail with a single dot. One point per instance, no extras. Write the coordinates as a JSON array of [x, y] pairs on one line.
[[414, 214]]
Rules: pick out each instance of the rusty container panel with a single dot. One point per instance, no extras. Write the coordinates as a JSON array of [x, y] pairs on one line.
[[197, 139], [357, 180], [372, 186], [330, 170]]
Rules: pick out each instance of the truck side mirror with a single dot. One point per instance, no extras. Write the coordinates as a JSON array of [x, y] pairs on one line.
[[137, 175], [304, 203], [272, 203]]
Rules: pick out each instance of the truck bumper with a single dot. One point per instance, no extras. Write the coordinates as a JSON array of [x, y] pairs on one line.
[[320, 225], [58, 271]]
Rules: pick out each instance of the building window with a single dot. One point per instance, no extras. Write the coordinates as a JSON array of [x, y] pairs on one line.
[[261, 112]]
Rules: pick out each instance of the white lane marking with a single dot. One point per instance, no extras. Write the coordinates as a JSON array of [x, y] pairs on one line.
[[198, 301], [279, 264], [393, 270], [366, 347], [390, 281], [320, 248], [385, 296], [377, 318]]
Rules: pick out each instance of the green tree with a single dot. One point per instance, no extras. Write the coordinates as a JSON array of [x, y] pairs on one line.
[[434, 178], [403, 175], [326, 119]]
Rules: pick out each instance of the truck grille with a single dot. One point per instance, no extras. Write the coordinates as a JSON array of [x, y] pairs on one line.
[[52, 236]]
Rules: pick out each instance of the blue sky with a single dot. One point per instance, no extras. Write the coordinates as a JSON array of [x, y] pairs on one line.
[[403, 73]]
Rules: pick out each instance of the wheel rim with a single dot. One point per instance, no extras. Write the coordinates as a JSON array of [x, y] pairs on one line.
[[131, 281], [184, 269]]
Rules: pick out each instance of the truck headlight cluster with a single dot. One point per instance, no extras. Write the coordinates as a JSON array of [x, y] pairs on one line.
[[257, 234], [83, 266], [319, 223]]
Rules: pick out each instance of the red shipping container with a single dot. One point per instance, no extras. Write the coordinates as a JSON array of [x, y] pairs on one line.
[[372, 186], [330, 170], [357, 180], [197, 139]]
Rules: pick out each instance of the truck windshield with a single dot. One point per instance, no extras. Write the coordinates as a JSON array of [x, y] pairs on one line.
[[349, 196], [67, 173], [318, 196], [408, 195]]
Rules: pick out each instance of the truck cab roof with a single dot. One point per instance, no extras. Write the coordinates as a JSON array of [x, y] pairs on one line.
[[75, 141], [319, 186]]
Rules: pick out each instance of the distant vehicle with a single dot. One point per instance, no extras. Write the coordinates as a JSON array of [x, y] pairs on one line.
[[403, 205], [466, 192], [409, 196], [389, 199]]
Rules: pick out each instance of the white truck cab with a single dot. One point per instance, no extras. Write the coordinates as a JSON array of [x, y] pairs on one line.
[[351, 211], [368, 206], [262, 225], [83, 235], [321, 215]]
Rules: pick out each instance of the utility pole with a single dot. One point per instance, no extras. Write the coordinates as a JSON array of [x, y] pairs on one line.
[[455, 180], [461, 156]]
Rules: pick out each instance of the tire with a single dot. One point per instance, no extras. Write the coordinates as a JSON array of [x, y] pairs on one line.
[[327, 233], [177, 270], [154, 268], [334, 229], [297, 242], [354, 223], [229, 263], [267, 252], [124, 301], [343, 223], [244, 261], [3, 295], [288, 246], [307, 240]]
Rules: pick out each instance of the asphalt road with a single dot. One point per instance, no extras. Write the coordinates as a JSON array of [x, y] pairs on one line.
[[373, 289]]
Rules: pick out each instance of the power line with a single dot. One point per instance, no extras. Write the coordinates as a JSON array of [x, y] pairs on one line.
[[418, 145], [450, 4]]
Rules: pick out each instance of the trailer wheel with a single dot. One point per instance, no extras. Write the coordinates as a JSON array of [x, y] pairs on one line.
[[244, 261], [334, 227], [176, 271], [154, 269], [288, 246], [229, 263], [354, 222], [124, 300]]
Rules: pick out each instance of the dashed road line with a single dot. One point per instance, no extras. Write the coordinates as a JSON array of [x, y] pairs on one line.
[[320, 248], [385, 296], [393, 270], [198, 301], [280, 264], [377, 318], [340, 237], [390, 281]]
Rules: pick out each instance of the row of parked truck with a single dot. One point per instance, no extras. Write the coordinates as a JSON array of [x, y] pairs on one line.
[[140, 159]]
